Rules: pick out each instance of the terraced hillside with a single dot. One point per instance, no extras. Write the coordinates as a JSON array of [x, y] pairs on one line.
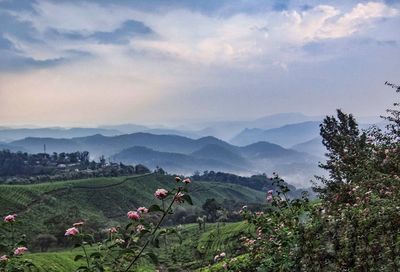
[[49, 208]]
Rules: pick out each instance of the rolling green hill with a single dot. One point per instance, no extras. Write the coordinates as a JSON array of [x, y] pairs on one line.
[[49, 208]]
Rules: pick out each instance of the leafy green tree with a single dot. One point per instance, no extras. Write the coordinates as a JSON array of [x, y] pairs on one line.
[[348, 151]]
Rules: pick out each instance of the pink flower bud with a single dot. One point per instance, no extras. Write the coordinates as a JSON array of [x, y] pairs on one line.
[[20, 250], [161, 193], [71, 232], [78, 224], [143, 210], [133, 215]]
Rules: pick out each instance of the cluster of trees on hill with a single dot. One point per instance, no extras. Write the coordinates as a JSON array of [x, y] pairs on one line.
[[260, 182], [24, 167]]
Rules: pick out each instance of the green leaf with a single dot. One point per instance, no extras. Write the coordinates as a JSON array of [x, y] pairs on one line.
[[188, 199], [155, 208], [95, 255], [127, 226]]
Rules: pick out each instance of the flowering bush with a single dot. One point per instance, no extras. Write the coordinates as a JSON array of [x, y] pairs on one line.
[[13, 248]]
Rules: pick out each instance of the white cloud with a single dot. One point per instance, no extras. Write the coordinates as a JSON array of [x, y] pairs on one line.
[[197, 37], [203, 38]]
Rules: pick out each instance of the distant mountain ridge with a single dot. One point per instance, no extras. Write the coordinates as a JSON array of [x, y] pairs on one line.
[[10, 134], [179, 154], [287, 135]]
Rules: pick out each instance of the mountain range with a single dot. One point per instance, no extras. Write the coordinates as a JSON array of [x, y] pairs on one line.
[[287, 143], [179, 154]]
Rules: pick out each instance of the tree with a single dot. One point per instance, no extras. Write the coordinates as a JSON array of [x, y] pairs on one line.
[[348, 153], [211, 206], [44, 241]]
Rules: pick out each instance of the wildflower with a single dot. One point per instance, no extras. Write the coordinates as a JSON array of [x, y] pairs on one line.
[[178, 179], [187, 181], [270, 198], [20, 250], [78, 224], [3, 258], [71, 232], [143, 210], [178, 198], [140, 228], [112, 230], [133, 215], [119, 241], [222, 255], [161, 193], [10, 218]]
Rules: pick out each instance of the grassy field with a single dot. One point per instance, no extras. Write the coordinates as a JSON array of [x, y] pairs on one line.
[[196, 249]]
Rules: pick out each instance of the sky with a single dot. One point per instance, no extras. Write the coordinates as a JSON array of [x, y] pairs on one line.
[[86, 63]]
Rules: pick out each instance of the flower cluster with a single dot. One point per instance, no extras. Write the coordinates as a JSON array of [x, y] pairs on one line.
[[20, 250], [161, 193], [270, 197], [10, 218], [71, 231], [133, 215]]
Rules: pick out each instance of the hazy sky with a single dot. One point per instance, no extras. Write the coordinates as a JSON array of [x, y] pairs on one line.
[[102, 62]]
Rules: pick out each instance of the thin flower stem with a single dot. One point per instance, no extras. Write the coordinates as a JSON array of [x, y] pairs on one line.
[[84, 251], [87, 258], [153, 232]]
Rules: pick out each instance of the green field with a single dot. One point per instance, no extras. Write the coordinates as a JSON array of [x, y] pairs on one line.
[[196, 249]]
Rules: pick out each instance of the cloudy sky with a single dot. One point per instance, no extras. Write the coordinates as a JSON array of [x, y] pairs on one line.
[[103, 62]]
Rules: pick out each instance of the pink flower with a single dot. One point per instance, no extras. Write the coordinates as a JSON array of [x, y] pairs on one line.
[[178, 179], [10, 218], [112, 230], [71, 232], [143, 210], [20, 250], [140, 228], [161, 193], [187, 180], [270, 192], [133, 215], [178, 198], [78, 224], [269, 198], [3, 258]]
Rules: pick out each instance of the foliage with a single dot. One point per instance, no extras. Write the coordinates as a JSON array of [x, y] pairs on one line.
[[13, 248], [353, 227]]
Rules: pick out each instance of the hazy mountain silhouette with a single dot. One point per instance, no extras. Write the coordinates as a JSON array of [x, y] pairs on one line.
[[287, 135]]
